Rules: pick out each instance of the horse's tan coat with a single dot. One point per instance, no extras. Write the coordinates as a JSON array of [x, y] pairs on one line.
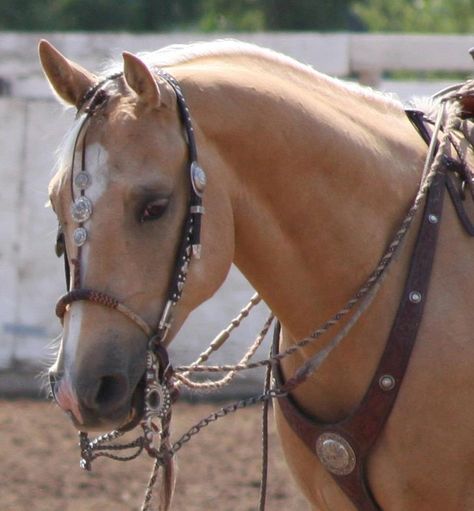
[[308, 180]]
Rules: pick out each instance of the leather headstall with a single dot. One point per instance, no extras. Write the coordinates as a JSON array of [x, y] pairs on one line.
[[159, 389], [190, 244]]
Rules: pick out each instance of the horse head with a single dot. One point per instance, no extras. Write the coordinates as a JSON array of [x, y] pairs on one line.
[[121, 196]]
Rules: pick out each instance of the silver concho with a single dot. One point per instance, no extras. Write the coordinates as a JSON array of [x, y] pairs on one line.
[[81, 210], [82, 180], [157, 401], [335, 453], [80, 236], [198, 178]]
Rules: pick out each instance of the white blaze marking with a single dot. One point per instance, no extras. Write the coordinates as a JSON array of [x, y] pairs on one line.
[[96, 167]]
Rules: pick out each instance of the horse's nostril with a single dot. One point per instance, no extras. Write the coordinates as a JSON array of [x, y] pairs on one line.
[[106, 395], [111, 392]]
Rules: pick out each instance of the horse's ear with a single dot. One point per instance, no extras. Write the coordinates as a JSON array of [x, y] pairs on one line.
[[151, 92], [69, 80]]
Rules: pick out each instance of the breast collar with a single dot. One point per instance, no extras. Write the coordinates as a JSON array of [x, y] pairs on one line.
[[343, 447]]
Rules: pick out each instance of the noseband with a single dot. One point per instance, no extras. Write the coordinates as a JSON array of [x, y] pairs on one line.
[[158, 393]]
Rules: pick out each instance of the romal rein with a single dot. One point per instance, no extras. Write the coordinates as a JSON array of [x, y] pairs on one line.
[[158, 390]]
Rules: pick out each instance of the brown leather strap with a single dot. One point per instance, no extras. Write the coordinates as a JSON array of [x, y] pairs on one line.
[[352, 438]]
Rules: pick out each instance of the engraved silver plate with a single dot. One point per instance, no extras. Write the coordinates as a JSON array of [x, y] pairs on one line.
[[157, 400], [336, 454], [198, 178], [80, 236], [81, 210], [82, 180]]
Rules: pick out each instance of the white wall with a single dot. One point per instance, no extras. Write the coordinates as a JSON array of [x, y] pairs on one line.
[[28, 269], [32, 125]]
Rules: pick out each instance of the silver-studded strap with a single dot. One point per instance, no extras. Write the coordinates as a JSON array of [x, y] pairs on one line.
[[82, 207], [190, 245], [343, 447]]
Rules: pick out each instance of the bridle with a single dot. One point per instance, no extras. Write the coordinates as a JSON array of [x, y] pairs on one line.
[[158, 388]]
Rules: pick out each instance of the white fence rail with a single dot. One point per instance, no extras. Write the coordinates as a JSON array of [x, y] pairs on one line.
[[32, 126], [341, 54]]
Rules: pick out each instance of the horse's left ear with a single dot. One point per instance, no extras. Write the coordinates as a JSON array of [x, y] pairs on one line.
[[69, 80], [151, 92]]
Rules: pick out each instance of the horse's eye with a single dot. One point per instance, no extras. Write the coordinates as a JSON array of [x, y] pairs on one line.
[[60, 246], [154, 210]]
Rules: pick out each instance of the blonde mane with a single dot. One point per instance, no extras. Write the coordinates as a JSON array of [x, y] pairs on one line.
[[176, 54], [182, 53]]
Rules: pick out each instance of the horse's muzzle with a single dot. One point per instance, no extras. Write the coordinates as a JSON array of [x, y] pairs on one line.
[[106, 403]]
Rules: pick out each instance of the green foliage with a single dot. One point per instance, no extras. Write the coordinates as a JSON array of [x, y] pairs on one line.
[[424, 16], [152, 15], [445, 16], [96, 15], [24, 15], [252, 15], [322, 15], [235, 16]]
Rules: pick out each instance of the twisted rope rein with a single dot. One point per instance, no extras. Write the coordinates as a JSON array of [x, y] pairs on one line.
[[434, 161], [371, 285]]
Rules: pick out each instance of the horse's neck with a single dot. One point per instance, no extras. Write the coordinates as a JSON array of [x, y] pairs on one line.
[[321, 177]]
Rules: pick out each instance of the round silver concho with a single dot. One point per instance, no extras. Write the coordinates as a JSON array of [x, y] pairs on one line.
[[81, 210], [157, 401], [82, 180], [336, 454], [79, 236], [198, 178]]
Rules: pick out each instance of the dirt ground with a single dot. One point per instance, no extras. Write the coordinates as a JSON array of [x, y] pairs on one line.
[[218, 470]]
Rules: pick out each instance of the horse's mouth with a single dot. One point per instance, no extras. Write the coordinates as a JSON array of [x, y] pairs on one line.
[[137, 408]]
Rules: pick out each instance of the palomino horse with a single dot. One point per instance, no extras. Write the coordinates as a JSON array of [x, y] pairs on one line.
[[307, 180]]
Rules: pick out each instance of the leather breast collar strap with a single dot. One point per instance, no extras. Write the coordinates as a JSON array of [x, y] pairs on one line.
[[343, 447]]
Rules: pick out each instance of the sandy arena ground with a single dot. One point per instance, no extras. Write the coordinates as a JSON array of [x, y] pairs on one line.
[[219, 469]]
